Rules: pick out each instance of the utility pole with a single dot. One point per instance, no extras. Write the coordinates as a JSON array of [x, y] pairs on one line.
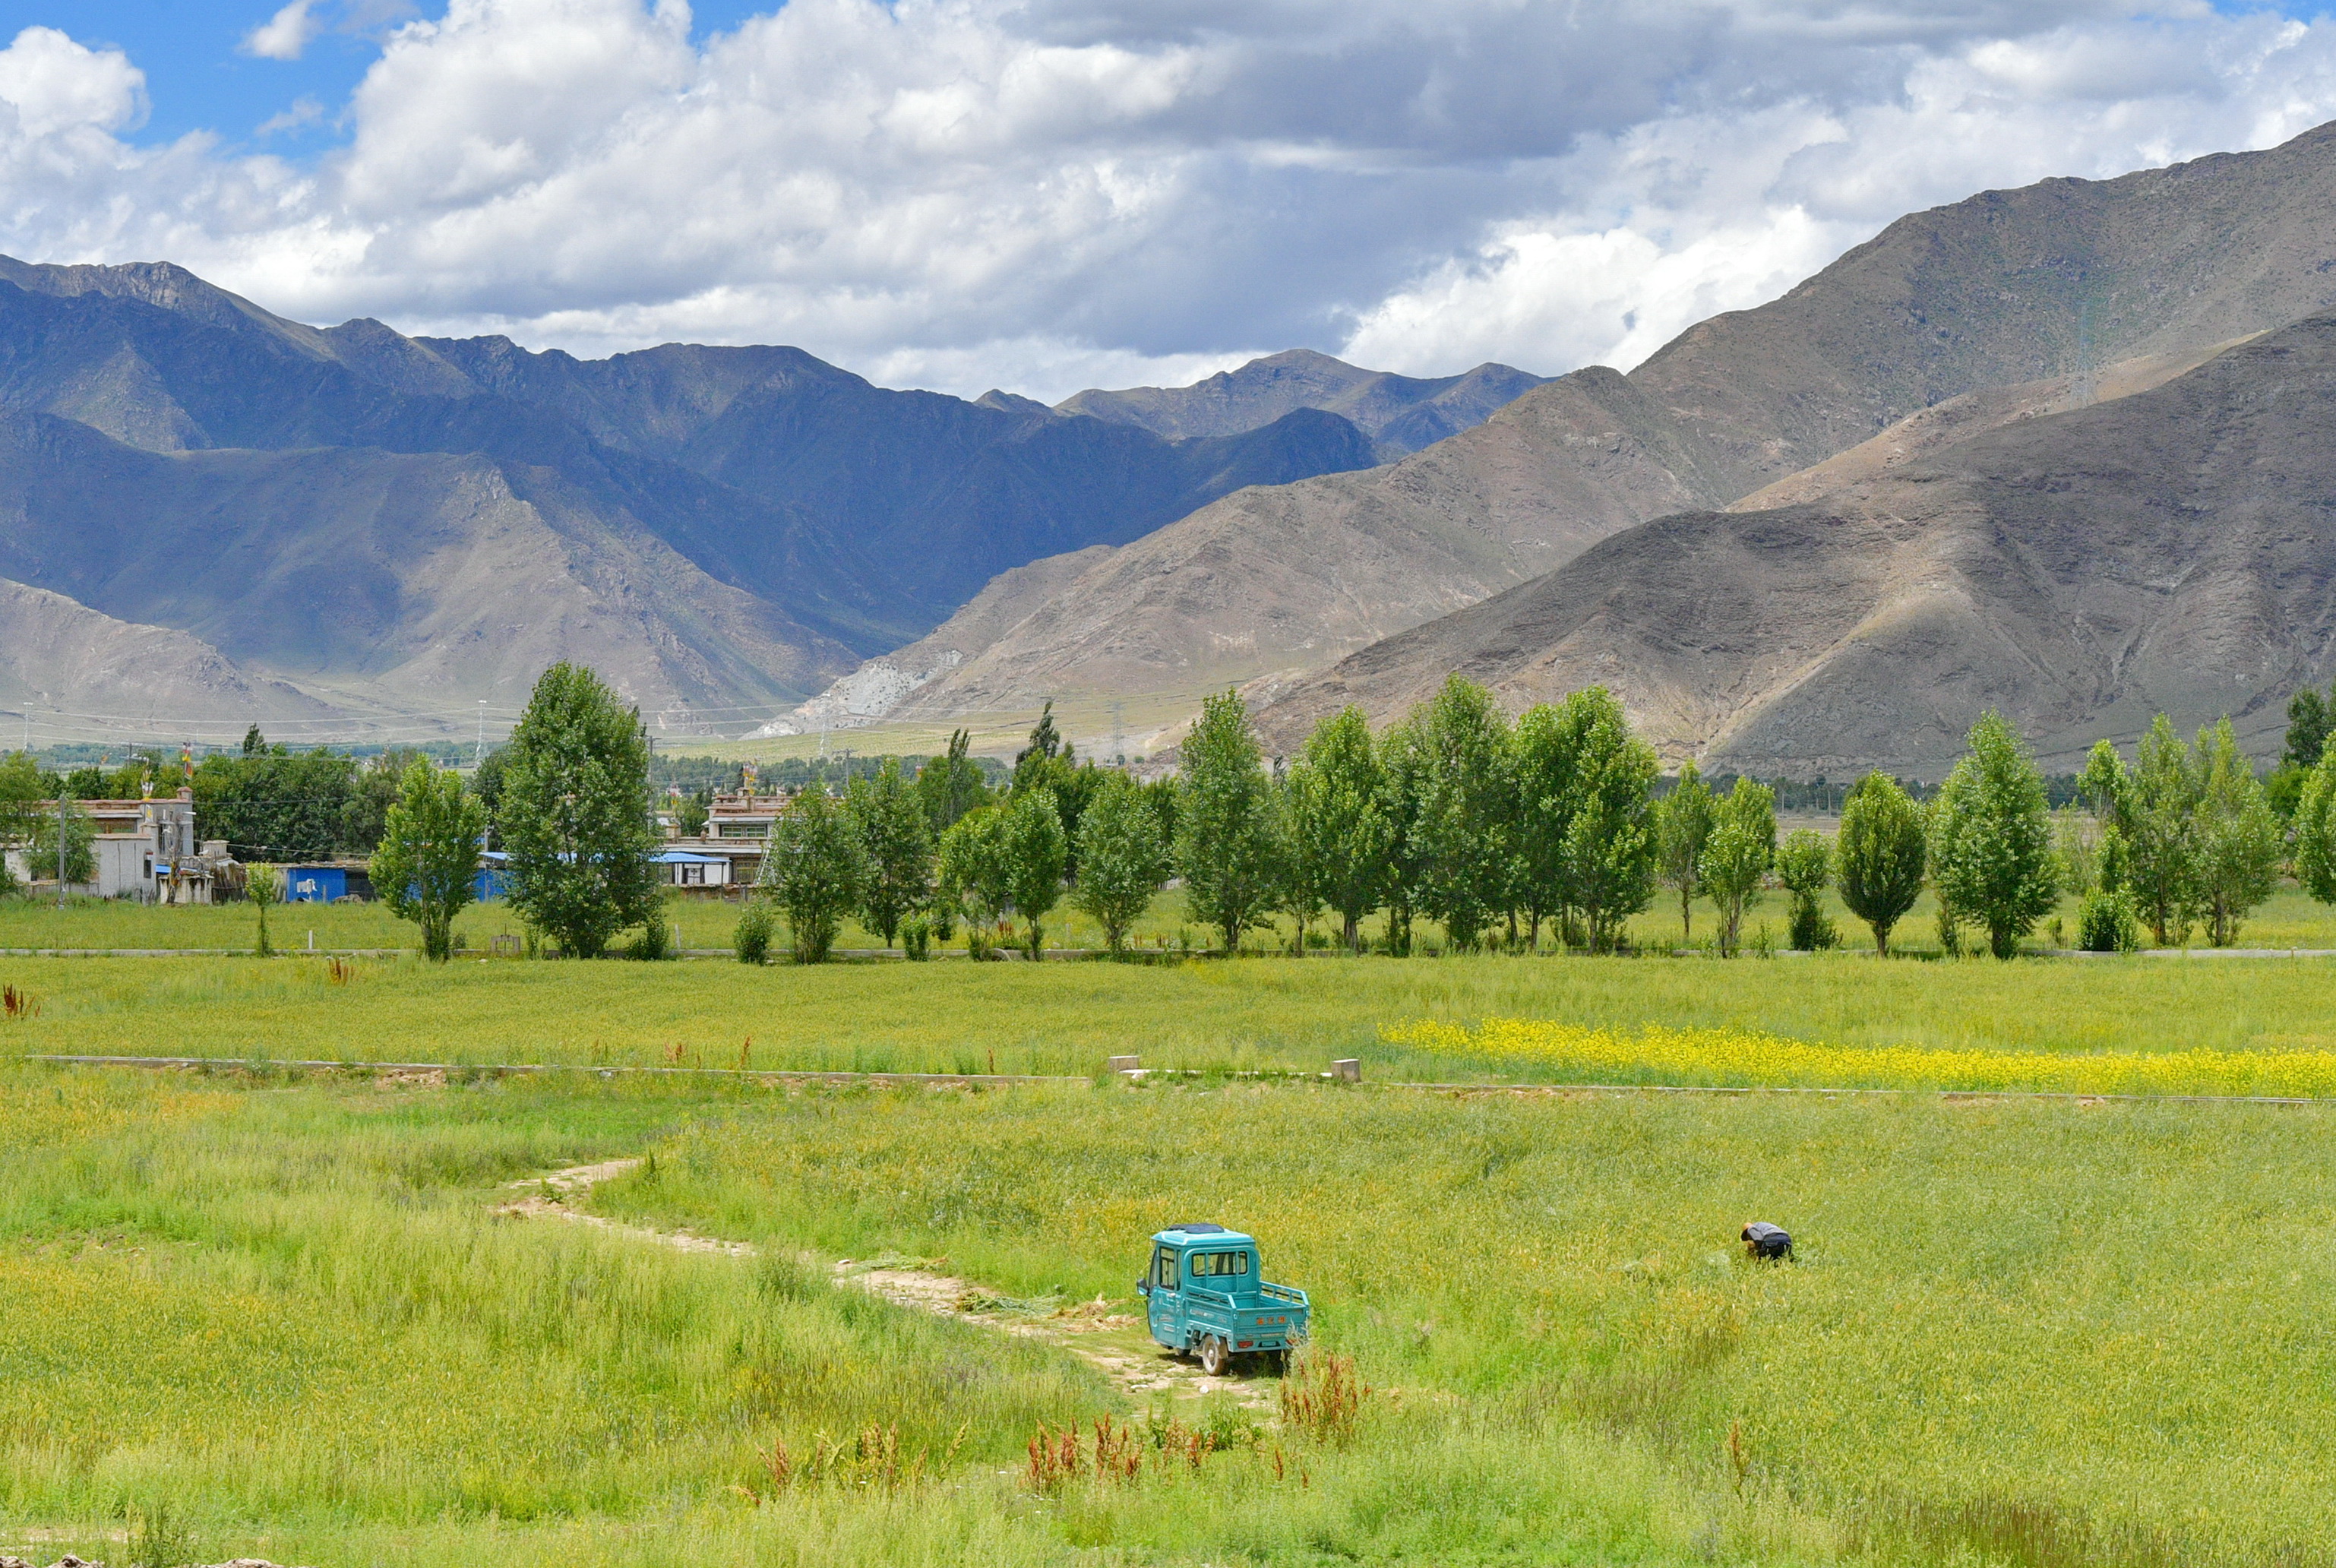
[[479, 756]]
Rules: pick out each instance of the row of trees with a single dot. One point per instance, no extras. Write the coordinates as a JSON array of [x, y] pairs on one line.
[[1491, 829], [1494, 829]]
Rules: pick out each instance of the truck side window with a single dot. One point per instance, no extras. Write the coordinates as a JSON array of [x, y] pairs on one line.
[[1163, 1268]]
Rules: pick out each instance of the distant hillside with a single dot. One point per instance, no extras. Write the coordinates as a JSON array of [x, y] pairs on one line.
[[722, 529], [1400, 414], [2064, 279], [2174, 550]]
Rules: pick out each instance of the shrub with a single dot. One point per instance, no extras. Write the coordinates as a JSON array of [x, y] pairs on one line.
[[2106, 923], [917, 939], [753, 936]]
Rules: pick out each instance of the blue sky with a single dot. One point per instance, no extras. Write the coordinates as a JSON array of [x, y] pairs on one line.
[[198, 78], [1050, 194]]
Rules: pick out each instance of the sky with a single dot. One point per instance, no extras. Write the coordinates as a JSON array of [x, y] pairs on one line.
[[1044, 195]]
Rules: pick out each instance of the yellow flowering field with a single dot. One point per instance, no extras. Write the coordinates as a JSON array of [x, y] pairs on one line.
[[1722, 1057]]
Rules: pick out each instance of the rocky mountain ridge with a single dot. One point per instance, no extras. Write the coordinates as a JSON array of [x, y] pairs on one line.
[[2081, 281], [2173, 551]]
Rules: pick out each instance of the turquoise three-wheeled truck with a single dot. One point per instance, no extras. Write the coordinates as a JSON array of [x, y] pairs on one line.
[[1207, 1297]]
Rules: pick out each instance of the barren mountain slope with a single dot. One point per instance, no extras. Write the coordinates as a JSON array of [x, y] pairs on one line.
[[1294, 576], [2065, 278], [58, 658], [2174, 550], [426, 580]]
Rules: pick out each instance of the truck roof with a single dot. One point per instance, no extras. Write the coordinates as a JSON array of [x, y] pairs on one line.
[[1201, 1231]]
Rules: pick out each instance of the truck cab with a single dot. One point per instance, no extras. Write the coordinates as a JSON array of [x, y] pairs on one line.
[[1206, 1295]]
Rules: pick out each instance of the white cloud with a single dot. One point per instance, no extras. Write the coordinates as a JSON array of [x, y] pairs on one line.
[[286, 35], [1052, 193]]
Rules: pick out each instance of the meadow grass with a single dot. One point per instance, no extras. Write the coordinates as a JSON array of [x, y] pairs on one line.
[[2014, 1332], [285, 1319], [1247, 1014]]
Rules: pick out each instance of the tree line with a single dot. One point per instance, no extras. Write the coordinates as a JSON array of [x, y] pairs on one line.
[[1496, 831]]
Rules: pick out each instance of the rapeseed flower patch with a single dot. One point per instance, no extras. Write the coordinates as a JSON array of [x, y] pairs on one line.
[[1732, 1058]]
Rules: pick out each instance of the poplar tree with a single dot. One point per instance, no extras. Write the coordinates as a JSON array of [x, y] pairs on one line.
[[1545, 756], [426, 868], [1992, 838], [1341, 837], [1804, 865], [1684, 822], [1882, 853], [1610, 833], [949, 786], [814, 870], [2154, 808], [1463, 836], [1032, 839], [2316, 831], [896, 848], [1225, 845], [2237, 837], [574, 814], [1742, 847], [1123, 858], [976, 871]]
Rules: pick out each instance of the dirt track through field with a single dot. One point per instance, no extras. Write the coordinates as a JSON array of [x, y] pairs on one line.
[[1115, 1343]]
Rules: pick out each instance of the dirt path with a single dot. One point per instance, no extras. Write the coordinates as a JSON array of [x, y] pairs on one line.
[[1115, 1343]]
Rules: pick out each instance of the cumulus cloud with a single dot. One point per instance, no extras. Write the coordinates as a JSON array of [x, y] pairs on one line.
[[1047, 194], [284, 36]]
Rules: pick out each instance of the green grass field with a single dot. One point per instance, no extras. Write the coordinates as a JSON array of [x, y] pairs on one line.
[[252, 1313]]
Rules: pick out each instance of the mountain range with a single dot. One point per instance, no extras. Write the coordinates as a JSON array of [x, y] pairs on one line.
[[1952, 322], [351, 520]]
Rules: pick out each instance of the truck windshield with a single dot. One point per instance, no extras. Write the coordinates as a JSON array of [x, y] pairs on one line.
[[1207, 1265]]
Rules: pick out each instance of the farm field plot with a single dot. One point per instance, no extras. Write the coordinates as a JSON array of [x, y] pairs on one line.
[[1217, 1015], [283, 1318]]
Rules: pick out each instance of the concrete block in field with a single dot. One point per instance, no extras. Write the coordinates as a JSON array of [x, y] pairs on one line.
[[1123, 1064], [1347, 1070]]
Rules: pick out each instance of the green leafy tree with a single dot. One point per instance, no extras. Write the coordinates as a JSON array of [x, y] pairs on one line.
[[1035, 851], [977, 874], [575, 814], [1297, 887], [1884, 852], [1610, 837], [2316, 831], [426, 866], [949, 786], [2310, 716], [1804, 865], [1738, 854], [896, 849], [81, 843], [1684, 820], [691, 812], [1123, 859], [264, 886], [1225, 841], [1404, 768], [1341, 838], [1463, 836], [1544, 761], [373, 789], [2153, 807], [813, 871], [1992, 838], [2236, 834]]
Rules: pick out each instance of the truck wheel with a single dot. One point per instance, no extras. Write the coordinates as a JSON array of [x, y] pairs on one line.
[[1214, 1358]]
